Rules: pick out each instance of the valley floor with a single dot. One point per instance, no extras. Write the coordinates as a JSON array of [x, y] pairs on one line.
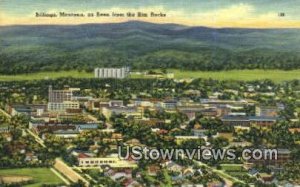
[[245, 75]]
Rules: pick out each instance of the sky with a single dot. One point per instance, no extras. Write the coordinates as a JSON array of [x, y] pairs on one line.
[[210, 13]]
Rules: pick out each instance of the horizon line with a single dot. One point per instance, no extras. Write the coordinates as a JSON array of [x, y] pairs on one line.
[[147, 22]]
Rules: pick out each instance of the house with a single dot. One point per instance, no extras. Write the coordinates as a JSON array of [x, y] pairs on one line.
[[253, 172], [294, 130], [7, 136], [114, 137], [133, 142], [31, 157], [118, 175], [153, 170], [131, 183], [188, 172], [172, 166], [266, 178]]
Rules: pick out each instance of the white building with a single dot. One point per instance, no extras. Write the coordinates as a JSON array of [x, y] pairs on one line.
[[61, 107], [60, 100], [118, 73], [112, 160]]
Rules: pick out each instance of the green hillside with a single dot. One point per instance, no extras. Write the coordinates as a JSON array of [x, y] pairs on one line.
[[141, 45]]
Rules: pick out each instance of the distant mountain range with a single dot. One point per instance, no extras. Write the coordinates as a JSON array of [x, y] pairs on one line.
[[145, 45]]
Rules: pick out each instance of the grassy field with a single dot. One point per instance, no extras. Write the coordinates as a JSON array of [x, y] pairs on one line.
[[245, 75], [232, 167], [39, 175], [46, 75]]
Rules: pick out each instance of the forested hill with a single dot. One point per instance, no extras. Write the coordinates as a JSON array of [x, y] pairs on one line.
[[145, 45]]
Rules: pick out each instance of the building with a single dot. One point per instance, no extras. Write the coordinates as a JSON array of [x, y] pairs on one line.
[[59, 96], [127, 111], [112, 161], [29, 110], [262, 121], [271, 111], [246, 121], [65, 130], [62, 107], [236, 120], [61, 100], [283, 157], [169, 105], [118, 73]]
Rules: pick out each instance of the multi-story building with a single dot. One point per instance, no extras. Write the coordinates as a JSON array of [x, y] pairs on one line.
[[59, 96], [119, 73], [61, 100]]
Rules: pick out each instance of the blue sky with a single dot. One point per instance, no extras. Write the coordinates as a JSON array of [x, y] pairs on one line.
[[214, 13]]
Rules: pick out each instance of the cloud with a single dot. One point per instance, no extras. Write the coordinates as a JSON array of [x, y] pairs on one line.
[[242, 15], [238, 15], [234, 12]]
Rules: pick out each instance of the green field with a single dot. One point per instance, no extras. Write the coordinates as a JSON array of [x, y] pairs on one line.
[[232, 167], [46, 75], [245, 75], [39, 175]]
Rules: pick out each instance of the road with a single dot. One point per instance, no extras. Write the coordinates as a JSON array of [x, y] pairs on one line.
[[5, 113], [41, 142], [60, 176], [37, 138], [69, 172]]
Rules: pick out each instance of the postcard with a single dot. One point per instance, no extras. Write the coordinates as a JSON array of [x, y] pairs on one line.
[[149, 93]]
